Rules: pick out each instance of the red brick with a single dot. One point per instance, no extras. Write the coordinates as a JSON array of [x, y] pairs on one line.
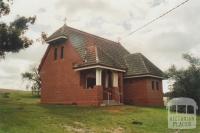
[[62, 85], [138, 91]]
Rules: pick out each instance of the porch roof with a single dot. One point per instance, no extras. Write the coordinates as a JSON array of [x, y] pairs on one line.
[[79, 68]]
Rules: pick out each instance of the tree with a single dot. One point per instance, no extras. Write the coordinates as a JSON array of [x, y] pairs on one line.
[[34, 80], [12, 35], [186, 82], [4, 7]]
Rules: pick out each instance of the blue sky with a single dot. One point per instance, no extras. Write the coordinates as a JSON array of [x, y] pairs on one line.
[[163, 42]]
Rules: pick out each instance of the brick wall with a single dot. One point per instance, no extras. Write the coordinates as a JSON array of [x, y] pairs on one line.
[[138, 91], [155, 96], [61, 84]]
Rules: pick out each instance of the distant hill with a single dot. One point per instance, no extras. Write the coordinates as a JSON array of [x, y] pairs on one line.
[[8, 90]]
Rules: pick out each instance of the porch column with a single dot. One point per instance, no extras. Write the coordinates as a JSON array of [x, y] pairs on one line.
[[98, 77], [106, 79], [115, 79]]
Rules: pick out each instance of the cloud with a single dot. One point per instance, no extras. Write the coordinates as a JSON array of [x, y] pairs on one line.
[[72, 6], [38, 28], [155, 3], [41, 10], [166, 40], [172, 42], [127, 26], [10, 72], [163, 42], [195, 50]]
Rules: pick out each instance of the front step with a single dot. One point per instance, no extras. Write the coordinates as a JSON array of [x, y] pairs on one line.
[[110, 103]]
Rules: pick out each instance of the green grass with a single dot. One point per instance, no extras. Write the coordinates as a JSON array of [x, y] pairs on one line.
[[22, 113]]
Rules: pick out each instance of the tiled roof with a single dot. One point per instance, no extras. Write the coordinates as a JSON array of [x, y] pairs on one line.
[[138, 64], [93, 49], [96, 50], [63, 31]]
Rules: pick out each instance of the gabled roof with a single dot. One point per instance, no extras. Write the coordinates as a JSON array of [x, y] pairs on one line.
[[139, 65], [95, 50], [60, 33]]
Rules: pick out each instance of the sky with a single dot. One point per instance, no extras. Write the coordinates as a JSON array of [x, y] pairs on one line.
[[162, 42]]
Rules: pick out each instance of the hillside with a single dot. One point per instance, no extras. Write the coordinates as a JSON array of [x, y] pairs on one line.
[[22, 113]]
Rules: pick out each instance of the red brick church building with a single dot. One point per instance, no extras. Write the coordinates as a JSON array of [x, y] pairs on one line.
[[84, 69]]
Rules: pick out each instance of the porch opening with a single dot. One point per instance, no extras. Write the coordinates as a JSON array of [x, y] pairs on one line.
[[88, 79], [108, 80], [90, 82]]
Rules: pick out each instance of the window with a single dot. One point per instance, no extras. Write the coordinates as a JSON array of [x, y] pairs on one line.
[[55, 53], [190, 109], [181, 108], [157, 85], [152, 83], [89, 78], [90, 82], [62, 53]]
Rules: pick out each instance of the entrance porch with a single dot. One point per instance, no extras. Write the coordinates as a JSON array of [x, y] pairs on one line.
[[109, 83]]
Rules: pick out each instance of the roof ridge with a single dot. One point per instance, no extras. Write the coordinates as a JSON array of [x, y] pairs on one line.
[[96, 36], [151, 64], [125, 59], [141, 57]]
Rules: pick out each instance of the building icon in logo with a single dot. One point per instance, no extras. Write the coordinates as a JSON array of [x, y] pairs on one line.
[[182, 113]]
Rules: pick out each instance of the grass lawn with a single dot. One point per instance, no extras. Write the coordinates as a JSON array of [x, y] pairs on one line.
[[22, 113]]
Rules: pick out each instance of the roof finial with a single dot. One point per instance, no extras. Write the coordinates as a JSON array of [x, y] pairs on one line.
[[65, 20]]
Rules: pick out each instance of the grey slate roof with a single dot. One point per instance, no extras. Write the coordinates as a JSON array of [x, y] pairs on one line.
[[96, 50], [63, 31], [138, 64]]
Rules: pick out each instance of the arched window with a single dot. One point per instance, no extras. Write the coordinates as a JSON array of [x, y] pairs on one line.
[[55, 53], [157, 85], [62, 53]]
